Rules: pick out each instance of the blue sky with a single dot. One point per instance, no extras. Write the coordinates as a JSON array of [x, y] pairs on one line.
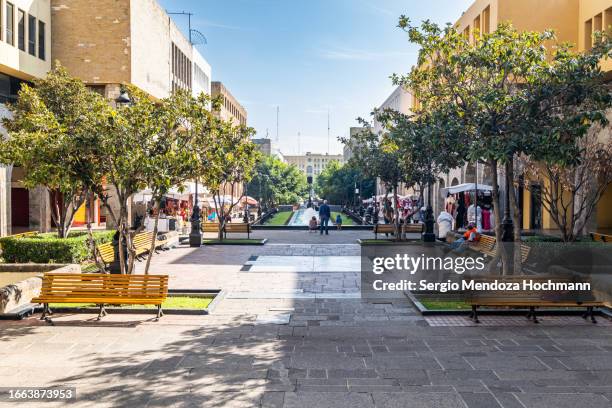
[[308, 57]]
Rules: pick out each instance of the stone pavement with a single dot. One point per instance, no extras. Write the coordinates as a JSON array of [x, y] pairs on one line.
[[333, 350]]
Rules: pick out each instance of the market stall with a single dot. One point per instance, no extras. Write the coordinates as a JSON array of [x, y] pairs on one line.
[[469, 203]]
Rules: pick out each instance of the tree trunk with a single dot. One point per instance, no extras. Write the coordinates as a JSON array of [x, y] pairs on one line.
[[122, 260], [500, 253], [93, 247], [514, 213], [153, 241], [396, 225]]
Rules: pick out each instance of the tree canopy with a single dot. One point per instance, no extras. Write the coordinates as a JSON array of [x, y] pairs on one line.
[[275, 182], [337, 183]]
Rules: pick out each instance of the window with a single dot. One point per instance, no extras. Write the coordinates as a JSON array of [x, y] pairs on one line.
[[607, 19], [21, 30], [9, 88], [588, 32], [477, 28], [486, 20], [597, 22], [10, 23], [41, 40], [32, 35]]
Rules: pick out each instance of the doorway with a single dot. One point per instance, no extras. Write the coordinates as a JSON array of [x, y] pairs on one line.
[[20, 207]]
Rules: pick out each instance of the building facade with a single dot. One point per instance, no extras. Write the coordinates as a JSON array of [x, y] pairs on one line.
[[573, 21], [25, 54], [231, 109], [312, 164], [403, 101]]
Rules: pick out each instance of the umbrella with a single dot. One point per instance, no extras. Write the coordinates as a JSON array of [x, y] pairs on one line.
[[249, 200]]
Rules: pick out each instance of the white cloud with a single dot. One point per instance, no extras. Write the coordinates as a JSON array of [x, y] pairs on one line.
[[351, 54]]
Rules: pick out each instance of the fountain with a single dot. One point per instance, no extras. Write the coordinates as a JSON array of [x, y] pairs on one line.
[[302, 216]]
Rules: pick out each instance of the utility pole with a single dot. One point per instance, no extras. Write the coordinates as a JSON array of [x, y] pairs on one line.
[[277, 113], [328, 131], [299, 144]]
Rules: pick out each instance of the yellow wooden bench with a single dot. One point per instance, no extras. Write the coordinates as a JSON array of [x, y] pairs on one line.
[[527, 299], [598, 237], [101, 289], [485, 245], [24, 234], [383, 229], [21, 235], [241, 227], [107, 255], [412, 228], [210, 227], [142, 242]]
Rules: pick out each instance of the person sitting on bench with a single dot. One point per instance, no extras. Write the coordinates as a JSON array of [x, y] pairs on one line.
[[471, 235]]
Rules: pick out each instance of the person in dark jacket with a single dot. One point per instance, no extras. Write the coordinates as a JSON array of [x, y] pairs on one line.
[[324, 216]]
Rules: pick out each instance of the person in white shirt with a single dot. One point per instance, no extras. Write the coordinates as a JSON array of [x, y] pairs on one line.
[[445, 224]]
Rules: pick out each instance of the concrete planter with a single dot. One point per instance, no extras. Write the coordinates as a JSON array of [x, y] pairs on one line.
[[18, 294]]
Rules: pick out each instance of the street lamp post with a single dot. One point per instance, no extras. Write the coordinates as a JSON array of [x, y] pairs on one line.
[[429, 235], [195, 236]]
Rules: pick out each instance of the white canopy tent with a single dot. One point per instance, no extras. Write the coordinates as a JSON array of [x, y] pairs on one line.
[[175, 192], [459, 188]]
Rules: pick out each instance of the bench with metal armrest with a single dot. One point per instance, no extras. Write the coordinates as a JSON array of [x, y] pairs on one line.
[[241, 227], [531, 299], [101, 289]]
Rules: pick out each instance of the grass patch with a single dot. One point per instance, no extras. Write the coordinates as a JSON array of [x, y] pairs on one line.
[[172, 302], [434, 304], [234, 241], [346, 220], [280, 218], [381, 241]]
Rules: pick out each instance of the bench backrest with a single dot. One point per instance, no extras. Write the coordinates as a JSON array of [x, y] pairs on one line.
[[486, 242], [523, 296], [143, 239], [237, 227], [107, 252], [525, 250], [378, 228], [413, 228], [600, 237], [210, 227], [89, 285]]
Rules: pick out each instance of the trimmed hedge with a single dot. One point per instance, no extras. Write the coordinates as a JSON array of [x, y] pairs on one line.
[[48, 248]]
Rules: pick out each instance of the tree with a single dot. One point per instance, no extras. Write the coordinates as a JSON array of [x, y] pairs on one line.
[[51, 134], [497, 86], [570, 192], [276, 182], [172, 158], [377, 158], [228, 162], [337, 183], [428, 144], [126, 154]]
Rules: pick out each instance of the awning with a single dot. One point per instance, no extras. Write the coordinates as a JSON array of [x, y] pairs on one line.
[[249, 200], [459, 188]]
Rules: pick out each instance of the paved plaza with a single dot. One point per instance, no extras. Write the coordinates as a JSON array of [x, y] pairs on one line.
[[291, 331]]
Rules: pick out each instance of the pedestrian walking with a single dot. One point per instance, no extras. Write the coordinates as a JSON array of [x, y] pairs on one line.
[[324, 216]]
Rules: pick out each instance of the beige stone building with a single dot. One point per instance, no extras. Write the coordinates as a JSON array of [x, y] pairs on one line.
[[25, 43], [231, 109], [312, 164], [108, 43], [573, 21]]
